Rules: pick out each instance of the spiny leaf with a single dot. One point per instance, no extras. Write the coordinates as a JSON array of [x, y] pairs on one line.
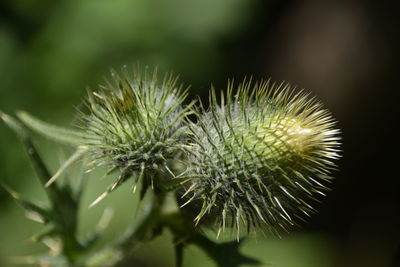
[[41, 213], [15, 125], [43, 173], [48, 230], [56, 133]]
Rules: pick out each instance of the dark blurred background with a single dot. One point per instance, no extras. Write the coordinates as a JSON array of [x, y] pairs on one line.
[[344, 52]]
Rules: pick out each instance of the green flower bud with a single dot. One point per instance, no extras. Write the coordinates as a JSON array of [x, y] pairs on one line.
[[260, 158], [135, 124]]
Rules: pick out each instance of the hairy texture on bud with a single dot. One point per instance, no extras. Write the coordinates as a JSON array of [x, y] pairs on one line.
[[135, 123], [260, 158]]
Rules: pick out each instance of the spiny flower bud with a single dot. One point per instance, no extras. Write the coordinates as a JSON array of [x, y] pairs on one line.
[[135, 124], [260, 157]]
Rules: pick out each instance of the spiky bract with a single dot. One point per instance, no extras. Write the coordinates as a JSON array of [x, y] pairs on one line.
[[260, 157], [135, 123]]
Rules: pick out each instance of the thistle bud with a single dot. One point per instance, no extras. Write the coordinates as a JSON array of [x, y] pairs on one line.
[[134, 124], [260, 158]]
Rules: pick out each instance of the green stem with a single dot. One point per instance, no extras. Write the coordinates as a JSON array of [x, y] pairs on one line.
[[64, 206], [42, 172], [223, 254]]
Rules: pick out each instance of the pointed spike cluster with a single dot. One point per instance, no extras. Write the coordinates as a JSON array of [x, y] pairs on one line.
[[135, 123], [260, 157]]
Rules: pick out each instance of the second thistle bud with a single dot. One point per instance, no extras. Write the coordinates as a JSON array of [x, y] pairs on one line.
[[260, 158]]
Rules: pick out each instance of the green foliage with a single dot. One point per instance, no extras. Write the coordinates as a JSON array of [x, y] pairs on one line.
[[60, 218], [56, 133], [256, 159]]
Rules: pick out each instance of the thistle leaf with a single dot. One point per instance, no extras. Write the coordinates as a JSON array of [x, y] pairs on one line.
[[48, 230], [33, 210], [56, 133], [15, 125], [40, 168]]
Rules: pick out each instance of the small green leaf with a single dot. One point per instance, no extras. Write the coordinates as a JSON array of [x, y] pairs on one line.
[[48, 230], [33, 211], [56, 133], [15, 125], [38, 164]]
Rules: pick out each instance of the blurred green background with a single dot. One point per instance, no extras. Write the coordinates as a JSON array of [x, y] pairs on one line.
[[345, 53]]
